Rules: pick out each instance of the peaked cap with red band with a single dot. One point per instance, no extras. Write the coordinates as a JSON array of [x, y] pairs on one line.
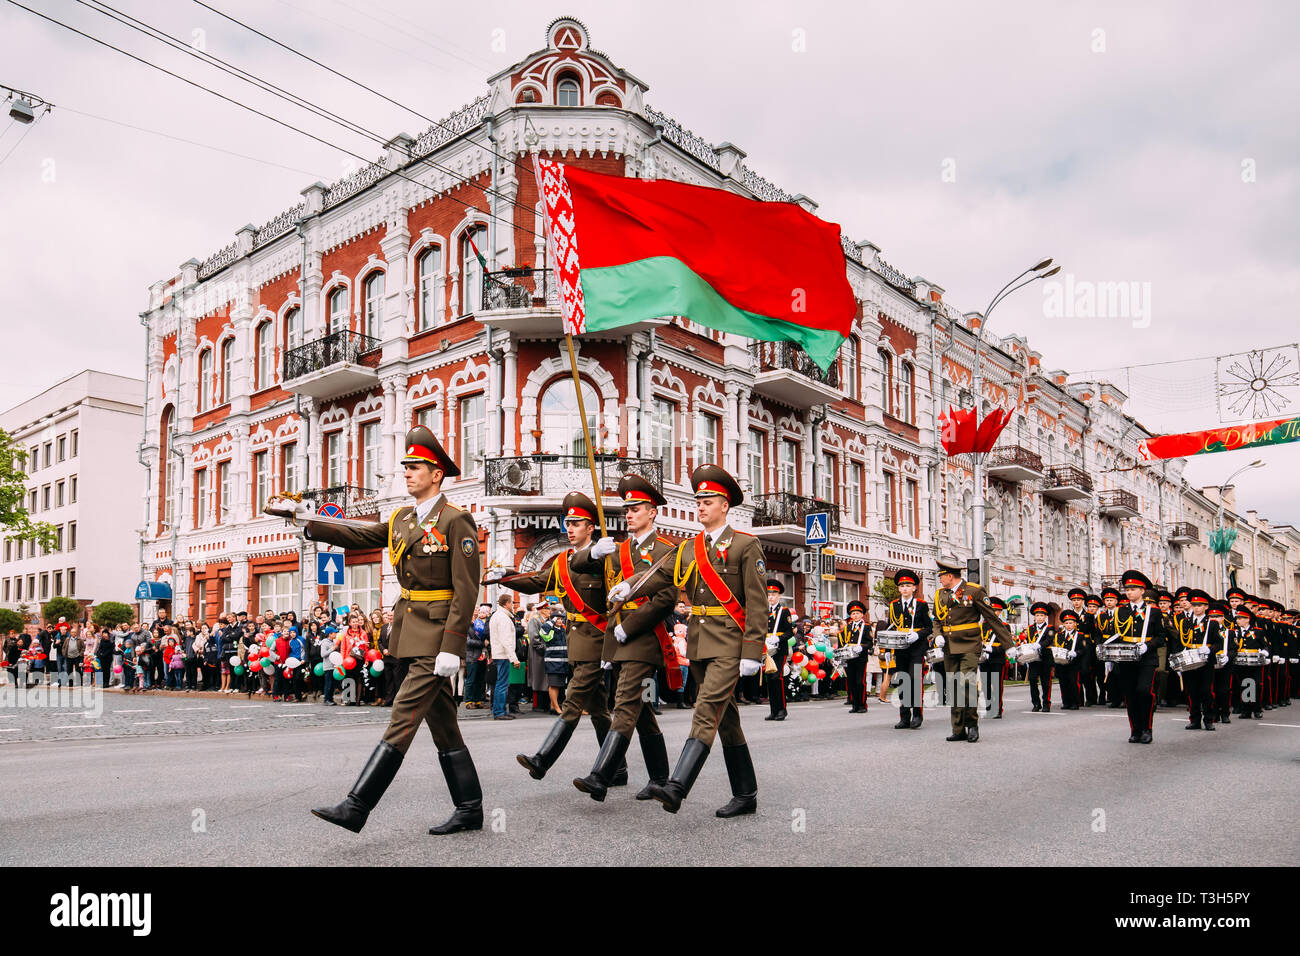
[[421, 445], [634, 489], [714, 480], [578, 505]]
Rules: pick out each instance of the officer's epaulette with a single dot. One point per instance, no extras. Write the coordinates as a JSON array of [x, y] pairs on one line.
[[744, 533], [662, 540]]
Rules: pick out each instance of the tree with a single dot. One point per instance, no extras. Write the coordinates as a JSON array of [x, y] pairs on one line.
[[15, 522], [110, 614], [11, 621], [885, 591], [58, 607]]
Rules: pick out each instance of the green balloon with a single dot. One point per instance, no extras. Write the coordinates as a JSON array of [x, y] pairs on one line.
[[373, 672], [790, 643], [319, 669], [239, 669], [338, 673]]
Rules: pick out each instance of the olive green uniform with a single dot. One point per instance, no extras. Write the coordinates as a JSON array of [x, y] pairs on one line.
[[958, 612]]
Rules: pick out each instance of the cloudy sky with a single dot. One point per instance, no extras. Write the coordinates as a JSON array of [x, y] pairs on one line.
[[1151, 144]]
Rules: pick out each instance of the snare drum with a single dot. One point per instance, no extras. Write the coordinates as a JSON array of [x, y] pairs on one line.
[[1119, 653], [893, 640], [1060, 655], [1249, 659], [1189, 659], [848, 652], [934, 656], [1028, 653]]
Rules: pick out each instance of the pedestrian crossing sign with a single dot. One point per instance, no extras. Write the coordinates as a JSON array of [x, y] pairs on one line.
[[814, 528]]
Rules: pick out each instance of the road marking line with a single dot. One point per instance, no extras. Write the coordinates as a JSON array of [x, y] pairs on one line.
[[9, 730], [224, 720], [75, 726], [1046, 713], [144, 711], [239, 706], [8, 716], [1263, 724], [142, 723], [179, 709], [293, 715]]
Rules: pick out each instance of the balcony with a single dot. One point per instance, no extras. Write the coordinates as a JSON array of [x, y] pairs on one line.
[[1183, 532], [331, 365], [1110, 581], [540, 482], [356, 502], [788, 375], [1268, 576], [1014, 464], [1118, 504], [779, 517], [1067, 483], [1235, 560], [526, 301]]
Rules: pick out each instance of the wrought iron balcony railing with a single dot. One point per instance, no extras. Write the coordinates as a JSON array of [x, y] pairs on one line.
[[1062, 475], [1117, 500], [1015, 455], [353, 499], [556, 475], [343, 346], [786, 508], [519, 289], [1184, 532], [777, 356], [1110, 580]]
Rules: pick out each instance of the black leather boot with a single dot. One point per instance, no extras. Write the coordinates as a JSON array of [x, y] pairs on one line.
[[679, 784], [466, 794], [656, 762], [375, 777], [619, 779], [552, 747], [744, 787], [613, 751]]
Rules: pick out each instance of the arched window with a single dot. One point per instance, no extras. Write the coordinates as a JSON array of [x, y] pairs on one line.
[[428, 269], [561, 423], [227, 368], [886, 380], [292, 329], [265, 355], [373, 293], [471, 286], [567, 91], [850, 378], [905, 394], [167, 469], [205, 380], [338, 309]]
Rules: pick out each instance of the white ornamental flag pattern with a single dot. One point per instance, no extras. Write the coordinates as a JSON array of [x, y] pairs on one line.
[[1262, 384], [561, 234]]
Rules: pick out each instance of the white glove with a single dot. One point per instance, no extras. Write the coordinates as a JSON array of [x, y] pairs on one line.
[[1012, 652], [1264, 656], [1142, 648], [1070, 655], [984, 656], [493, 575], [620, 635], [446, 665], [938, 642], [605, 665], [1222, 656], [750, 668], [603, 548], [911, 638], [619, 592], [298, 512], [772, 643]]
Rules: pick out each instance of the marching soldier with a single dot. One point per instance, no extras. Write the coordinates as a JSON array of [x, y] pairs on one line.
[[1199, 630], [993, 659], [583, 595], [961, 609], [1106, 626], [1292, 652], [1221, 689], [780, 631], [1279, 646], [910, 615], [1040, 671], [723, 572], [1069, 637], [433, 546], [638, 641], [1089, 667], [1247, 676], [857, 633], [1140, 624]]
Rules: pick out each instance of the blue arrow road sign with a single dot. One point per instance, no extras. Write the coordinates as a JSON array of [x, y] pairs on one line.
[[329, 568], [815, 527]]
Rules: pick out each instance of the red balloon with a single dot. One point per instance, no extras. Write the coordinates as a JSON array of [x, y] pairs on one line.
[[821, 674], [796, 657], [349, 662], [372, 655], [819, 657], [254, 665], [254, 652]]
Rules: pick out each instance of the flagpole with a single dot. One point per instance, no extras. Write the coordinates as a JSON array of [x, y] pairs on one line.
[[586, 434]]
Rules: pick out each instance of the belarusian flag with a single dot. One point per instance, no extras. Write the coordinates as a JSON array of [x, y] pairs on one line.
[[768, 271], [482, 263]]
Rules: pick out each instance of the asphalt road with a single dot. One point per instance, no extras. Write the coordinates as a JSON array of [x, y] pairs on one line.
[[834, 788]]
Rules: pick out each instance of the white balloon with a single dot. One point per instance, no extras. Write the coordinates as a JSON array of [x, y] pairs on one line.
[[268, 669], [234, 660], [336, 658], [272, 655], [291, 662], [377, 665]]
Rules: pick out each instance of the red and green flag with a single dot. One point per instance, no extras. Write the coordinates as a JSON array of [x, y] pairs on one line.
[[627, 250], [482, 262], [1279, 431]]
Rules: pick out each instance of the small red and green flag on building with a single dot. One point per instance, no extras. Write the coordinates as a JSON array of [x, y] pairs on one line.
[[628, 250]]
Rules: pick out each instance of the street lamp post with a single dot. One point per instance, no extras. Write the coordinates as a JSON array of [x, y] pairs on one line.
[[978, 387], [1218, 522]]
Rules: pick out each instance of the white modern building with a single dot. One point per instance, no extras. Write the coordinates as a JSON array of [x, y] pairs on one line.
[[81, 437]]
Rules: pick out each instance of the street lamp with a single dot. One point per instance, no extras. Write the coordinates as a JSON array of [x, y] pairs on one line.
[[1218, 521], [1035, 273]]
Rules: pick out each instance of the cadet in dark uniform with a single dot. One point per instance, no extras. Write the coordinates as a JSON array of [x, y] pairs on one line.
[[1040, 671], [583, 595], [434, 550], [1198, 630], [637, 640], [1087, 625], [907, 613], [993, 660], [1069, 637], [961, 609], [1106, 622], [723, 572], [1221, 693], [857, 632], [1140, 623], [1247, 637], [780, 630]]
